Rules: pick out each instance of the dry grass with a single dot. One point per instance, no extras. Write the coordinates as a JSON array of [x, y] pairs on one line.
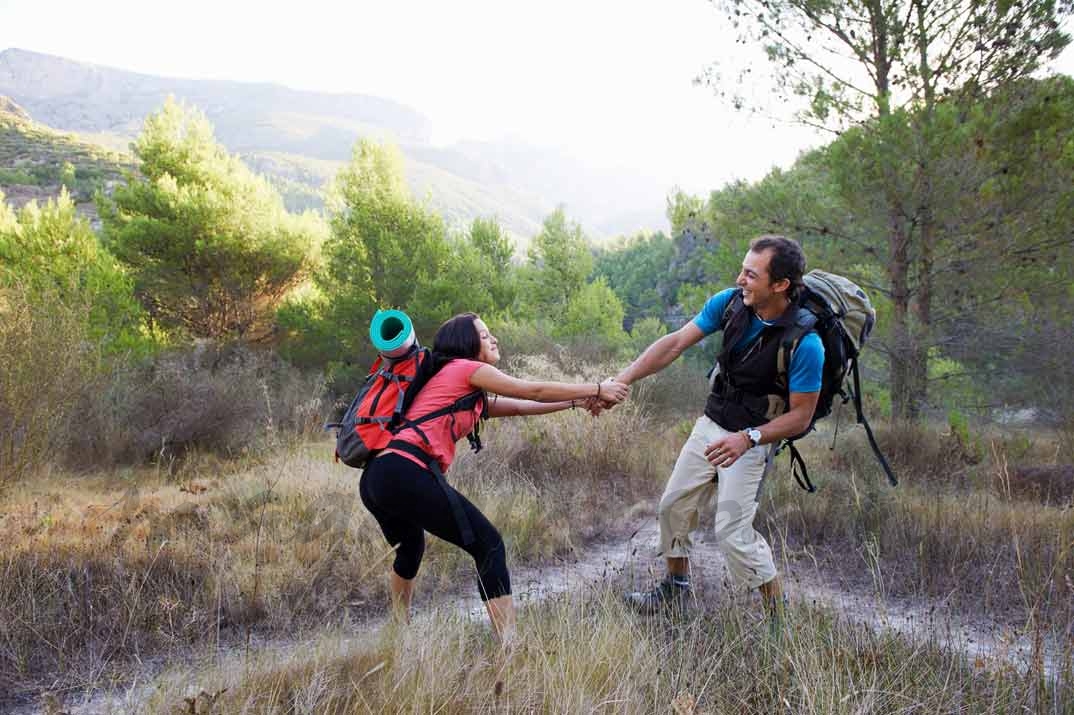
[[967, 533], [585, 653], [229, 400], [97, 570], [45, 358]]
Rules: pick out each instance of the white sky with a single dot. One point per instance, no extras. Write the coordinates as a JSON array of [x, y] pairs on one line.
[[608, 80]]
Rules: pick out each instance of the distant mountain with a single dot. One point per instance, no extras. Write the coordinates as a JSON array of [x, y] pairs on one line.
[[300, 138], [76, 96]]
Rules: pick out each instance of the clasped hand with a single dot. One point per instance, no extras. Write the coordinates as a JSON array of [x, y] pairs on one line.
[[611, 394]]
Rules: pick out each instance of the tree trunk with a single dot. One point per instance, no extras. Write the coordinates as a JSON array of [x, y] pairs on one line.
[[919, 331], [903, 356]]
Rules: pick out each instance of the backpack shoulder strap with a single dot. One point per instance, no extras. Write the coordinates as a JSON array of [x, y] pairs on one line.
[[465, 403], [734, 307], [804, 322]]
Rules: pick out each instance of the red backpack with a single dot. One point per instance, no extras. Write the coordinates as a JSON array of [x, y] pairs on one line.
[[377, 410]]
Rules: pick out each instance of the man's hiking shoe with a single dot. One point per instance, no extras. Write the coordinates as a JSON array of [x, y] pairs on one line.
[[669, 594]]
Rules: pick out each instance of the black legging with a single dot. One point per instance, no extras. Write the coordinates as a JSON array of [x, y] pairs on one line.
[[407, 501]]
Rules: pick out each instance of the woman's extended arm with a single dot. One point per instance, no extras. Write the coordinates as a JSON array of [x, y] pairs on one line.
[[492, 380], [510, 407]]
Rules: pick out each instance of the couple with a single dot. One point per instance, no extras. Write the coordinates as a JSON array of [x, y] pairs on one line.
[[726, 453]]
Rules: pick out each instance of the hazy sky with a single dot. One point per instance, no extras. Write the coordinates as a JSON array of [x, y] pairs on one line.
[[608, 80]]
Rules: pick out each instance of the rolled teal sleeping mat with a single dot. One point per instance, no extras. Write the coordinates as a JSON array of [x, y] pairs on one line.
[[392, 333]]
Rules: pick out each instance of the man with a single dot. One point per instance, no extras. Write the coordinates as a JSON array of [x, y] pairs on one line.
[[747, 411]]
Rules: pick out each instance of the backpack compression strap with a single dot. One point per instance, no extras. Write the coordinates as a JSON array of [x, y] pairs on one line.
[[798, 468], [868, 430]]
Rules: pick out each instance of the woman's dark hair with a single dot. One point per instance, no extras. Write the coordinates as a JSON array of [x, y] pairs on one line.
[[456, 338], [788, 260]]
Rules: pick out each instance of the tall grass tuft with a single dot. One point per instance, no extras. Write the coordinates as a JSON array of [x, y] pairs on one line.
[[45, 358], [586, 653], [950, 530]]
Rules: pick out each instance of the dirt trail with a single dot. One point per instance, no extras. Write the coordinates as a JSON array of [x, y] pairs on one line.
[[982, 643]]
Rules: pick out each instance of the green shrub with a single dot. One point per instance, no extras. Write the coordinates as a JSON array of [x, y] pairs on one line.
[[10, 177], [46, 357], [227, 400]]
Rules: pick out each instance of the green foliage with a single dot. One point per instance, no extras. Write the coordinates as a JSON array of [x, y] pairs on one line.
[[386, 250], [517, 336], [841, 63], [9, 177], [645, 332], [969, 445], [496, 250], [457, 288], [636, 270], [383, 245], [67, 175], [903, 82], [382, 248], [559, 262], [477, 276], [998, 249], [211, 248], [952, 383], [49, 254], [307, 339], [692, 297], [46, 358], [800, 203], [67, 311], [35, 155], [8, 222], [594, 313]]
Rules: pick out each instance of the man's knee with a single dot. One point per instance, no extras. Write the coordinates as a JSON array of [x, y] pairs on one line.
[[664, 508]]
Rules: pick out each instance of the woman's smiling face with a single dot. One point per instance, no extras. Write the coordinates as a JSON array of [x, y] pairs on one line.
[[490, 347]]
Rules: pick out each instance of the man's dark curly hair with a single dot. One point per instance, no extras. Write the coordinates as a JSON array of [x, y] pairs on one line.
[[788, 260]]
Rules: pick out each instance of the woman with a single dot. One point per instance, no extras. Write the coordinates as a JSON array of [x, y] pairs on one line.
[[403, 487]]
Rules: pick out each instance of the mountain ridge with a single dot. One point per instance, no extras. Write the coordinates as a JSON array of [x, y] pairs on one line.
[[518, 184]]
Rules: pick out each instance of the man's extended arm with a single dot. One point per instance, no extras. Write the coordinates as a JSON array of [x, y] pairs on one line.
[[661, 353]]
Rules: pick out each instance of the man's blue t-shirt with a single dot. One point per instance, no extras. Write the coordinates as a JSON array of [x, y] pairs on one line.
[[807, 362]]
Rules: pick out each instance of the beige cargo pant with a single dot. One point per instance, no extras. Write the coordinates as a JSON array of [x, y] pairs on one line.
[[691, 489]]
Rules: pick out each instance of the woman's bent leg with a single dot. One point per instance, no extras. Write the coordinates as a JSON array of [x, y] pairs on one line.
[[377, 489], [502, 616], [402, 592], [489, 554], [408, 500]]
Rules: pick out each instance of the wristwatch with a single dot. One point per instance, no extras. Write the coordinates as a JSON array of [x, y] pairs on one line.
[[754, 436]]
